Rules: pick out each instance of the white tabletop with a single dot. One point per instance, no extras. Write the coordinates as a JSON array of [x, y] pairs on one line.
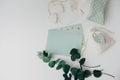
[[23, 32]]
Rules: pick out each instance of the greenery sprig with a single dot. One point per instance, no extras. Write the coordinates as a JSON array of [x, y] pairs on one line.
[[69, 72]]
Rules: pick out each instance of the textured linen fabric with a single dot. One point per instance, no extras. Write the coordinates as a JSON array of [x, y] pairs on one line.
[[97, 11]]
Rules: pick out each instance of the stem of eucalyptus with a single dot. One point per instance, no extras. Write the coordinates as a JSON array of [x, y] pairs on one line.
[[57, 60], [109, 75], [92, 66]]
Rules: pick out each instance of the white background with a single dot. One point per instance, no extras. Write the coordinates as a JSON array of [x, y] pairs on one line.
[[23, 32]]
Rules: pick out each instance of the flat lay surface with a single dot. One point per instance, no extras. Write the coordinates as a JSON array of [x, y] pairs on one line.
[[24, 26]]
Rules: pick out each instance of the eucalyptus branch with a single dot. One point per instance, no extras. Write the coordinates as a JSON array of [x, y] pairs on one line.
[[77, 73]]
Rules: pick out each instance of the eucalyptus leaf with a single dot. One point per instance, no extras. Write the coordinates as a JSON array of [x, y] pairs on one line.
[[87, 73], [80, 75], [66, 76], [60, 65], [78, 55], [73, 57], [97, 73], [74, 71], [66, 68], [52, 64], [62, 62], [46, 59], [82, 61], [45, 53], [74, 51]]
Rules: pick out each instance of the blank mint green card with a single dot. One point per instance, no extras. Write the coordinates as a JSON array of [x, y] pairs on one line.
[[61, 41]]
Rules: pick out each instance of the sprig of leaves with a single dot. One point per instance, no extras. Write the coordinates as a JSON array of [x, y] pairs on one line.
[[77, 73], [44, 56]]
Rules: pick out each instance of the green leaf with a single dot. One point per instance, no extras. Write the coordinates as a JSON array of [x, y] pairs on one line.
[[87, 73], [45, 53], [73, 51], [52, 64], [82, 61], [78, 55], [80, 74], [74, 71], [74, 54], [60, 65], [73, 57], [62, 62], [65, 76], [46, 59], [97, 73], [66, 68]]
